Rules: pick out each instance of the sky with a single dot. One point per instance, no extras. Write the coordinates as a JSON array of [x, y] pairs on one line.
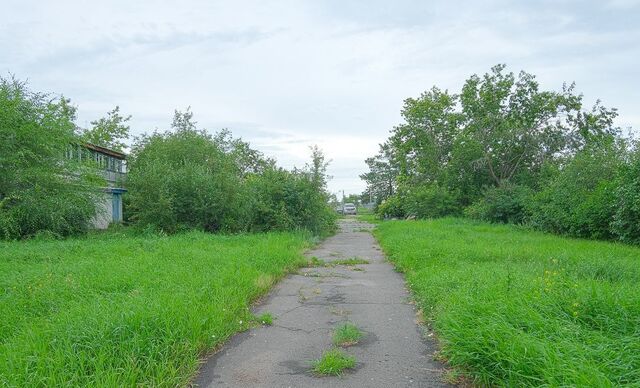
[[285, 75]]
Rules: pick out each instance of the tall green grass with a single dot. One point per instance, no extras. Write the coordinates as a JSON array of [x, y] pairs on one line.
[[129, 311], [513, 307]]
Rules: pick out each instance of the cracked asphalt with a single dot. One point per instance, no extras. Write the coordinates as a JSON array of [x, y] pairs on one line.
[[309, 305]]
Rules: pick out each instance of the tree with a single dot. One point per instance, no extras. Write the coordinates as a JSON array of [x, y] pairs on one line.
[[382, 176], [248, 160], [422, 145], [508, 151], [517, 126], [109, 131], [43, 188], [317, 169]]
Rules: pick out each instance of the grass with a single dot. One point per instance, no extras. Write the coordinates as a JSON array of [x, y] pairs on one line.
[[349, 261], [333, 363], [316, 262], [118, 310], [513, 307], [346, 334], [264, 319], [367, 215]]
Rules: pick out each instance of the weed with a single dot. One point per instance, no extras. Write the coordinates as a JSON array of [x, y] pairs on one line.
[[350, 261], [264, 319], [333, 363], [316, 262], [346, 334]]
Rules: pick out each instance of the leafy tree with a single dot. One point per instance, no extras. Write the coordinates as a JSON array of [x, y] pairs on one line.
[[508, 151], [382, 176], [517, 126], [43, 189], [110, 131], [422, 146], [248, 161]]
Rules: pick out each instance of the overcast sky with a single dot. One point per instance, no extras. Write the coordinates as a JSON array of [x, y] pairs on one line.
[[289, 74]]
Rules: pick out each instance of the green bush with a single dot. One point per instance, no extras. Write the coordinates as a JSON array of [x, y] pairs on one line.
[[284, 200], [626, 217], [503, 204], [184, 180], [430, 202], [187, 179], [579, 200], [392, 207], [42, 191]]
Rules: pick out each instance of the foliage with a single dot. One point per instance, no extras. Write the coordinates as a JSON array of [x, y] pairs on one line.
[[347, 334], [579, 200], [382, 176], [333, 363], [517, 126], [392, 207], [188, 179], [506, 204], [626, 217], [284, 200], [430, 201], [504, 150], [184, 179], [42, 190], [109, 131], [120, 310], [514, 307], [424, 143]]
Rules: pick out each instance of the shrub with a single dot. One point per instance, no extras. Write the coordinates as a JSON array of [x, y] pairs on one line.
[[392, 207], [626, 218], [430, 202], [579, 200], [284, 200], [187, 179], [184, 180], [42, 191], [504, 204]]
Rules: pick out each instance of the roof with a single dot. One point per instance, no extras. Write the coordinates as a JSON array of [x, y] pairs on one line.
[[106, 151]]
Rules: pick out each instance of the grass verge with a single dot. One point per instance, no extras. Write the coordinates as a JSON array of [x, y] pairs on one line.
[[346, 334], [333, 363], [117, 310], [515, 307]]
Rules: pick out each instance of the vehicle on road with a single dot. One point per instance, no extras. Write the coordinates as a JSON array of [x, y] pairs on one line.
[[349, 208]]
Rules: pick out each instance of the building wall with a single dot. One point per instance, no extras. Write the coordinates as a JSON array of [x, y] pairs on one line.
[[105, 212]]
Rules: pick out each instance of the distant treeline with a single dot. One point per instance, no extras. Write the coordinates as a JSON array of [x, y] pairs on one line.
[[502, 150], [180, 179]]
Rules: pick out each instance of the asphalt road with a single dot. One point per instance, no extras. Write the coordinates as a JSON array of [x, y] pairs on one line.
[[309, 305]]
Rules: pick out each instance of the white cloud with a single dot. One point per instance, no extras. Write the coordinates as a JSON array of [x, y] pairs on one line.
[[288, 74]]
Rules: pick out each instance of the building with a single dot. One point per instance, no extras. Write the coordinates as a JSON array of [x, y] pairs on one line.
[[114, 167]]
